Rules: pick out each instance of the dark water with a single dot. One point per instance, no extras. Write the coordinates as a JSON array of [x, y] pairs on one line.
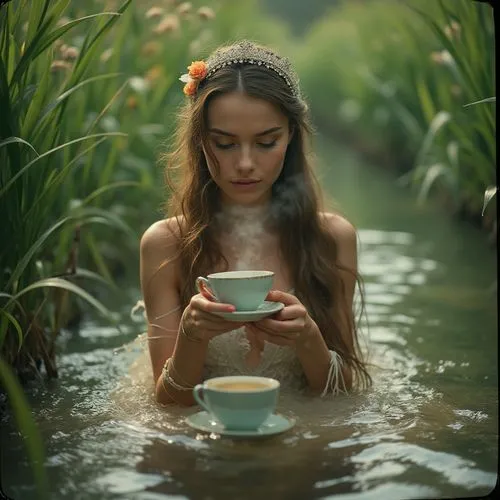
[[427, 429]]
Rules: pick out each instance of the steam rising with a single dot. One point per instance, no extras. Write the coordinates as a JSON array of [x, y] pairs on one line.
[[245, 235]]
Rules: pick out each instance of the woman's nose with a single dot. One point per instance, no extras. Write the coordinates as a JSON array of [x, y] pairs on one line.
[[245, 161]]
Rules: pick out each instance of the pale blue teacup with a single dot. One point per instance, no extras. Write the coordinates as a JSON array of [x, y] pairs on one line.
[[246, 290], [238, 402]]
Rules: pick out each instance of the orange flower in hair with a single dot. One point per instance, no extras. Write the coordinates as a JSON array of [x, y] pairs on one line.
[[197, 70], [190, 87]]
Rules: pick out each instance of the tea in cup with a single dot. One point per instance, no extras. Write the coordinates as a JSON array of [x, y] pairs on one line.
[[238, 402], [246, 290]]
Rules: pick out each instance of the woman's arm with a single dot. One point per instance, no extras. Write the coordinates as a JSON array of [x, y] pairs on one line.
[[181, 337], [315, 358], [312, 351], [160, 290]]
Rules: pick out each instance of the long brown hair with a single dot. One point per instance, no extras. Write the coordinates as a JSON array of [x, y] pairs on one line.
[[310, 250]]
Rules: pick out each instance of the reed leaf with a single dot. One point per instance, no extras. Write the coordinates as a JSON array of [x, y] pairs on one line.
[[37, 12], [90, 275], [10, 298], [36, 103], [482, 101], [26, 424], [28, 56], [460, 62], [97, 257], [56, 179], [8, 126], [35, 247], [94, 215], [65, 95], [8, 318], [432, 174], [64, 284], [106, 107], [59, 32], [103, 189], [407, 118], [11, 140], [90, 45], [441, 119], [488, 196], [426, 102], [53, 150]]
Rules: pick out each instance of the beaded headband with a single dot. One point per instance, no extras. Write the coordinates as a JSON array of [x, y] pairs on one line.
[[241, 52]]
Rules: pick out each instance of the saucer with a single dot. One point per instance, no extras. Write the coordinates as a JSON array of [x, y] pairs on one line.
[[275, 424], [265, 309]]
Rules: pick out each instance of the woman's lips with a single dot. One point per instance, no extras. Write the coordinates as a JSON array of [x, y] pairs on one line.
[[246, 184]]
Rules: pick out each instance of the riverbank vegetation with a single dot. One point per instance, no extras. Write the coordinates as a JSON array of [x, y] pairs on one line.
[[411, 85]]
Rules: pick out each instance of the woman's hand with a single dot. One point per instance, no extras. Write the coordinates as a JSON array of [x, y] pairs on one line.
[[289, 327], [199, 323]]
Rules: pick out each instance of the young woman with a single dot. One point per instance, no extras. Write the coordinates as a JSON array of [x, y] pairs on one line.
[[244, 195]]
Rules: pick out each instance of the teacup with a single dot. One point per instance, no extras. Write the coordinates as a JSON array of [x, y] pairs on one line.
[[246, 290], [238, 402]]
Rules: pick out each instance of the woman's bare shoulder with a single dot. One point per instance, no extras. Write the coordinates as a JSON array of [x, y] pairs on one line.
[[339, 226], [345, 237], [162, 237]]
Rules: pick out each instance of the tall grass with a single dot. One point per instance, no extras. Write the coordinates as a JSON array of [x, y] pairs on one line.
[[397, 78], [463, 156], [37, 208], [36, 175]]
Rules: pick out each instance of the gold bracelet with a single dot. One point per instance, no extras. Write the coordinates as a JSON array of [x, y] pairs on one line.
[[167, 391], [174, 371]]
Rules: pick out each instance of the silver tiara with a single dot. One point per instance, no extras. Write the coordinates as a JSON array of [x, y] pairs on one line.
[[250, 53]]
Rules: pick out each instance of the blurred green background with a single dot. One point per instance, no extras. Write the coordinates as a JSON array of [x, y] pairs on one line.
[[89, 92]]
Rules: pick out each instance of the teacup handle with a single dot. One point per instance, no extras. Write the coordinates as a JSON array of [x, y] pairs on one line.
[[202, 285], [198, 395]]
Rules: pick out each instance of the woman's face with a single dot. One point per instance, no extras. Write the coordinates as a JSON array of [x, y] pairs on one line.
[[249, 137]]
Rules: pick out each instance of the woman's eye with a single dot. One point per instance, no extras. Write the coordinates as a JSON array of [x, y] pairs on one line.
[[264, 145], [267, 145], [219, 145]]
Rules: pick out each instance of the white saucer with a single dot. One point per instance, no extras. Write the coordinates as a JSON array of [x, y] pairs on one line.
[[265, 309], [275, 424]]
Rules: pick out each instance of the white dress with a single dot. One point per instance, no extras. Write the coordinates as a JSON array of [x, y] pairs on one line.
[[227, 355]]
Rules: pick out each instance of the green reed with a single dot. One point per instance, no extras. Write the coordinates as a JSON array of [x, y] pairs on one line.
[[34, 198], [465, 155], [35, 174], [27, 426]]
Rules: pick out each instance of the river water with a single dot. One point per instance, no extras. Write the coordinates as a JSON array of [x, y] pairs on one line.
[[428, 428]]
